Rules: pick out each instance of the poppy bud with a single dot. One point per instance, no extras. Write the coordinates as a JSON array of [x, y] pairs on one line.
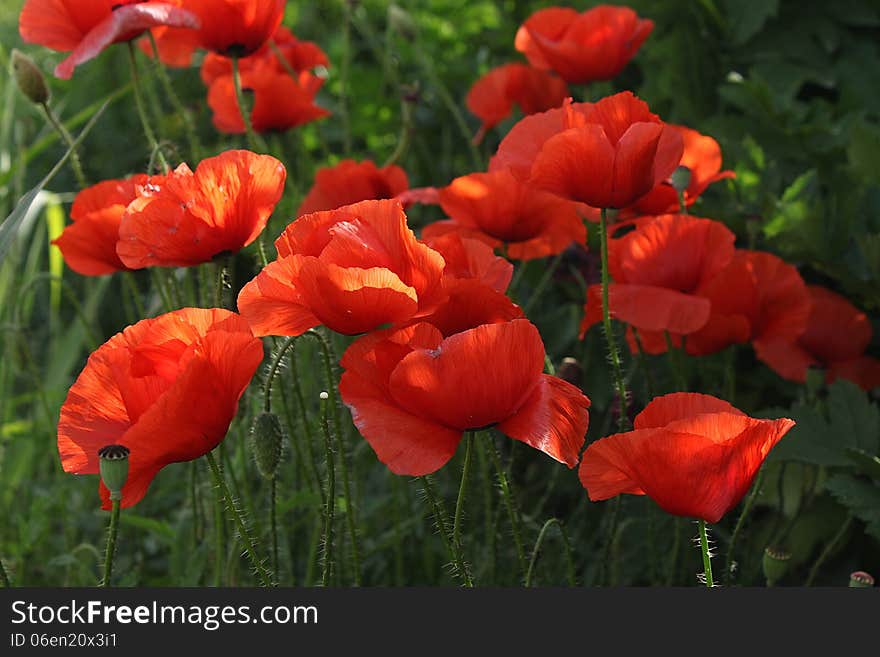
[[266, 439], [570, 370], [861, 580], [775, 564], [681, 178], [29, 78], [114, 468]]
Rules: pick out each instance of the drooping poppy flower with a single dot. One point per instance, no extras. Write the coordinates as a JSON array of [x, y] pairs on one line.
[[492, 97], [583, 47], [236, 28], [702, 157], [835, 338], [352, 269], [191, 217], [694, 455], [166, 388], [350, 182], [413, 392], [84, 28], [658, 269], [280, 102], [619, 153], [89, 243], [299, 56], [756, 298], [500, 210], [471, 259]]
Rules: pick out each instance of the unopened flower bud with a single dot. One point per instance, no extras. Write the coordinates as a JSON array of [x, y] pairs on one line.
[[114, 468], [29, 78], [861, 580], [681, 178], [775, 563], [570, 370], [267, 438]]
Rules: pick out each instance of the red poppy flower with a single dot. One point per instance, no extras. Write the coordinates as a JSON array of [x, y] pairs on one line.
[[620, 153], [498, 209], [658, 269], [84, 28], [413, 392], [299, 55], [176, 46], [236, 27], [519, 148], [280, 102], [757, 298], [702, 156], [693, 454], [491, 98], [193, 216], [352, 269], [593, 45], [166, 388], [350, 182], [89, 243], [471, 259], [835, 338]]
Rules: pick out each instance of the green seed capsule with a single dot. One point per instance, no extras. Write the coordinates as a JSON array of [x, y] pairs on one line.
[[114, 468], [266, 438], [775, 563], [681, 178], [861, 580], [29, 78]]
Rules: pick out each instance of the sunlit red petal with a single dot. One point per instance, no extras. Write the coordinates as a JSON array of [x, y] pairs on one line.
[[553, 420]]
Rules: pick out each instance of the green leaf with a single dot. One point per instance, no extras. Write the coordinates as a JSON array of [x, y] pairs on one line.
[[746, 17], [10, 225], [55, 226], [865, 463], [861, 497], [826, 434]]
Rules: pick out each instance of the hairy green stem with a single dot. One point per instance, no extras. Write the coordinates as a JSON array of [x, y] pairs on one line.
[[195, 146], [75, 162], [747, 507], [828, 550], [566, 549], [542, 283], [510, 504], [142, 113], [459, 504], [329, 498], [243, 531], [707, 556], [442, 521], [111, 542], [351, 519], [613, 353]]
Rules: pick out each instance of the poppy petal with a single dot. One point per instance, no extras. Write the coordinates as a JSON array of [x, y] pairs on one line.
[[122, 24], [654, 308], [406, 443], [470, 381], [678, 406], [272, 304], [577, 164], [553, 420]]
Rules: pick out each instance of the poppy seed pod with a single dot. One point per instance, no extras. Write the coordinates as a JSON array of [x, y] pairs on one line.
[[29, 78], [266, 439], [114, 468], [861, 580], [681, 178], [775, 564]]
